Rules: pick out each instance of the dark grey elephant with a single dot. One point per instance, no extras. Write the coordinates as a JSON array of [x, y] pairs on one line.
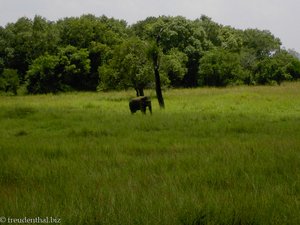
[[140, 103]]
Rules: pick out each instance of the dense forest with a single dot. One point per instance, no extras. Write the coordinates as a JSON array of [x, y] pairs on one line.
[[90, 53]]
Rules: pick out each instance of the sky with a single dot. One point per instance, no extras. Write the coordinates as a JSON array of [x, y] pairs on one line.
[[280, 17]]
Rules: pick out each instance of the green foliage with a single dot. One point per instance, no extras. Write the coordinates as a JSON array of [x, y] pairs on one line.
[[289, 64], [81, 31], [180, 33], [129, 67], [176, 33], [105, 53], [212, 30], [1, 65], [43, 75], [26, 40], [281, 66], [219, 68], [99, 54], [174, 65], [74, 65], [9, 81], [69, 70], [231, 39], [262, 43], [44, 38], [18, 45], [109, 78]]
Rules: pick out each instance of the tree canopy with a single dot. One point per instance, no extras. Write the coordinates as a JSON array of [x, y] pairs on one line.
[[90, 53]]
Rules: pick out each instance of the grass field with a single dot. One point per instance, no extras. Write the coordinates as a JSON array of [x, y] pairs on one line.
[[213, 156]]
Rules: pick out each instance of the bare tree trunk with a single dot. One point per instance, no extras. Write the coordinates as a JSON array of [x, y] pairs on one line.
[[141, 91], [158, 88], [159, 95]]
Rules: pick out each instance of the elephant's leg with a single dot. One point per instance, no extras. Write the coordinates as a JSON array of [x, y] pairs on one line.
[[150, 107], [143, 109]]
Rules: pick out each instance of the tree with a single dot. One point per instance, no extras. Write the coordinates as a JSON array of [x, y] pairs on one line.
[[78, 32], [231, 39], [44, 38], [99, 54], [248, 61], [262, 43], [9, 81], [43, 75], [129, 67], [289, 64], [212, 30], [151, 30], [220, 67], [167, 33], [137, 68], [174, 65], [68, 70], [19, 45], [278, 68], [1, 65], [3, 45], [26, 40], [81, 31], [154, 54], [74, 65], [185, 35]]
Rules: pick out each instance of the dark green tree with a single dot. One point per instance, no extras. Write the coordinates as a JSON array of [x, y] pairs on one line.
[[1, 65], [82, 31], [220, 67], [74, 65], [129, 67], [231, 39], [277, 68], [26, 40], [9, 81], [212, 30], [151, 30], [18, 38], [43, 75], [91, 49], [69, 70], [45, 37], [99, 54], [261, 42], [167, 33], [174, 65], [248, 62]]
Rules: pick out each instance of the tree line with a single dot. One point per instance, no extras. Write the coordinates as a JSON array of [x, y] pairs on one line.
[[90, 53]]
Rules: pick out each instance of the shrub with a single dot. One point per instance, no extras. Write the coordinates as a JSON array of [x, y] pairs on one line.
[[9, 81]]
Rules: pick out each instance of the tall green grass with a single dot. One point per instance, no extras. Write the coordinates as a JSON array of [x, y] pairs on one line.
[[213, 156]]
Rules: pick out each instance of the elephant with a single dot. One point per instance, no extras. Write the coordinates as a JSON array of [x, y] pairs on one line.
[[140, 103]]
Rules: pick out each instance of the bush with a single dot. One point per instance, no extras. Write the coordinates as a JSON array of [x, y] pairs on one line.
[[43, 77], [220, 68], [63, 72], [9, 81], [277, 68]]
